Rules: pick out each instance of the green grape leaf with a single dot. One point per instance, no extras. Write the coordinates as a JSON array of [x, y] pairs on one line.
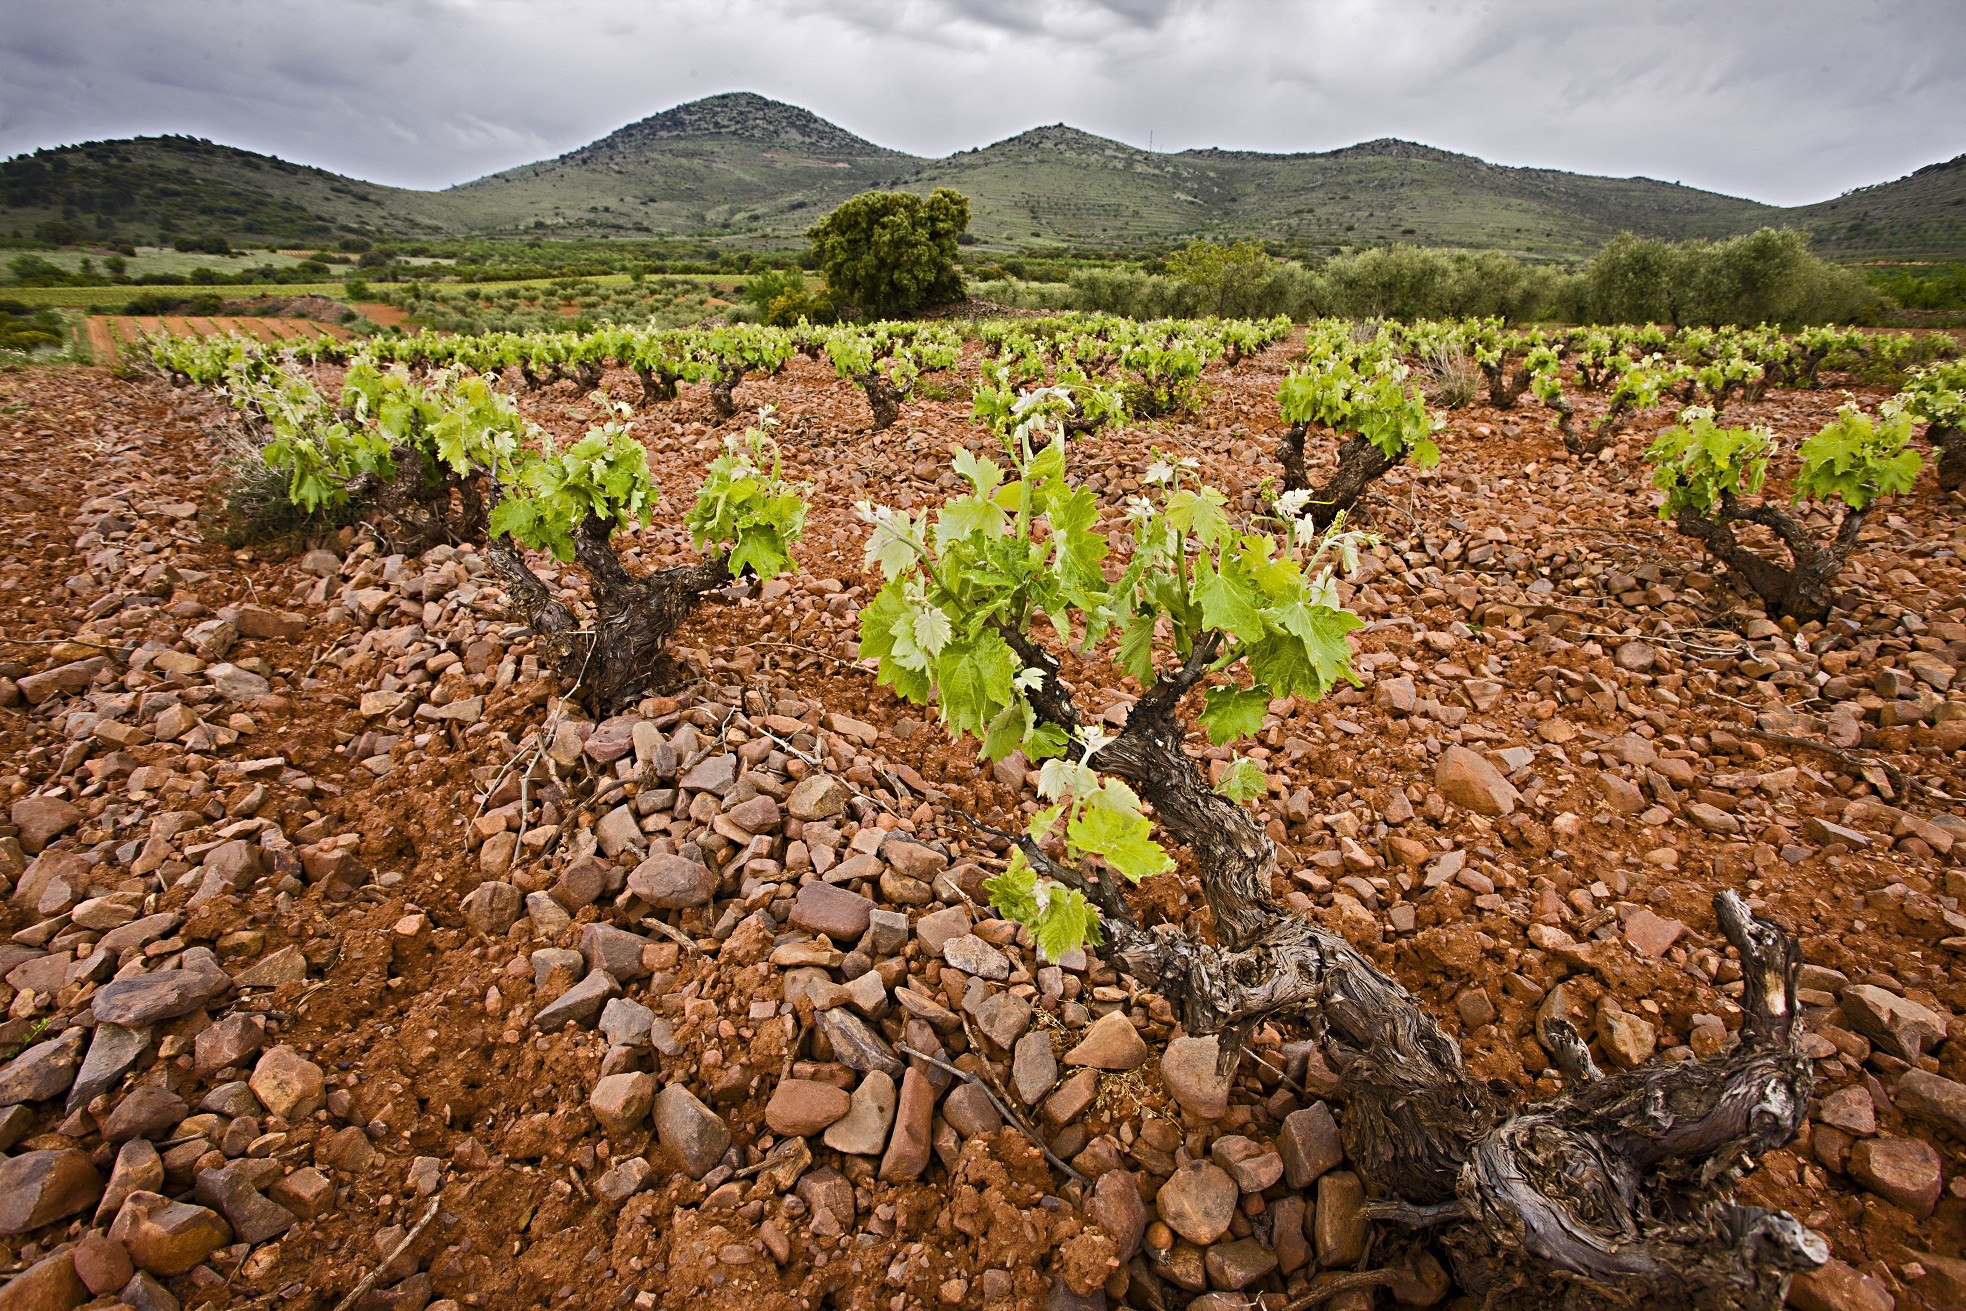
[[1008, 730], [882, 620], [965, 516], [1014, 892], [1136, 653], [1066, 923], [975, 677], [1229, 713], [932, 629], [1228, 601], [981, 472], [1109, 824], [1243, 781]]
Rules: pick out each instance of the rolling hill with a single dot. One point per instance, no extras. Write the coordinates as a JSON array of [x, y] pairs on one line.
[[745, 168]]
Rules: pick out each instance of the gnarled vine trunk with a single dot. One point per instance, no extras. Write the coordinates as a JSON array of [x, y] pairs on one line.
[[657, 386], [1359, 464], [1616, 1193], [721, 387], [1806, 588], [417, 511], [1505, 385], [1950, 443], [622, 656], [883, 399]]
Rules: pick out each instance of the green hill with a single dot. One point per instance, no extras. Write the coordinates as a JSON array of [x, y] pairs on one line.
[[1057, 183], [735, 163], [741, 166], [1922, 216]]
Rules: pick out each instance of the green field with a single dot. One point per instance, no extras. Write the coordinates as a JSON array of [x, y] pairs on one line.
[[151, 260], [114, 298]]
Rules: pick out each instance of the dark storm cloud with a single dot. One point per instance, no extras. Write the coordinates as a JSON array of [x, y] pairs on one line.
[[1787, 101]]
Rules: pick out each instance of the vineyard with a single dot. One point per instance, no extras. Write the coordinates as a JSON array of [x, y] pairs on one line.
[[1058, 812]]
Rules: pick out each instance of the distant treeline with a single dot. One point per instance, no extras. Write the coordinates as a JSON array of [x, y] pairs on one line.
[[1769, 276]]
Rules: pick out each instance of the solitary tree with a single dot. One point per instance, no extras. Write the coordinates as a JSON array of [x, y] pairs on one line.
[[891, 252]]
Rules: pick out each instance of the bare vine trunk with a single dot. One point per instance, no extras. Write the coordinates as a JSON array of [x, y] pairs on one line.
[[1806, 588], [1505, 385], [1950, 443], [419, 509], [622, 656], [721, 387], [883, 399], [657, 387], [1617, 1193], [1360, 463]]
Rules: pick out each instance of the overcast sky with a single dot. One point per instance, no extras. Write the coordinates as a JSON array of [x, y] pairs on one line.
[[1787, 101]]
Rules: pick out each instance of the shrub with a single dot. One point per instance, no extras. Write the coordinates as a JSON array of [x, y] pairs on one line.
[[24, 328], [1413, 282], [201, 245], [33, 271], [1768, 276], [890, 252], [57, 232], [1230, 281]]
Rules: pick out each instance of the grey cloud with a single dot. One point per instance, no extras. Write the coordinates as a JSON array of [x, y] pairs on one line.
[[1784, 101]]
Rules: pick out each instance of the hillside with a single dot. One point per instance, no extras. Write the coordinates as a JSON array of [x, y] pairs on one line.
[[745, 167], [1921, 216], [1061, 184], [145, 186], [737, 163]]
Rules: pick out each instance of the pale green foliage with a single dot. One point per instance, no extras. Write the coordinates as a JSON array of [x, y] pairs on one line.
[[899, 353], [1856, 459], [317, 452], [1022, 544], [747, 507], [1374, 403], [604, 475], [745, 348], [1243, 780], [1937, 395], [1059, 918], [1697, 462], [978, 563]]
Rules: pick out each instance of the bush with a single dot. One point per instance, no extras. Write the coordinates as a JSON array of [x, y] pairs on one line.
[[33, 271], [1135, 294], [1230, 281], [1020, 295], [24, 328], [57, 232], [1414, 282], [1940, 287], [156, 302], [1769, 276], [889, 253], [202, 245]]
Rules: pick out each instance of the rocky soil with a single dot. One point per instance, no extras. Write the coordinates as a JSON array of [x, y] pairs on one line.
[[349, 965]]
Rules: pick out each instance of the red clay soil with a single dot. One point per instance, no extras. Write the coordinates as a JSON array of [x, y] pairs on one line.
[[1666, 739]]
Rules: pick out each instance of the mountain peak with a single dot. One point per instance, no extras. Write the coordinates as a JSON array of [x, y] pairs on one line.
[[733, 116]]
